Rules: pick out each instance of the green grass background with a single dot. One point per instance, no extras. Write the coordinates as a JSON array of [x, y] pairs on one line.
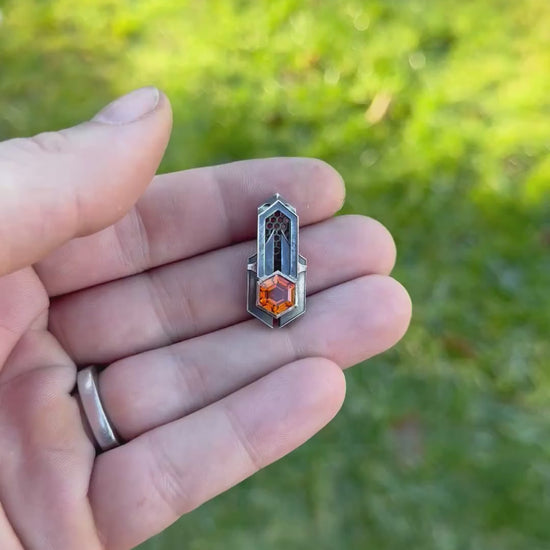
[[444, 442]]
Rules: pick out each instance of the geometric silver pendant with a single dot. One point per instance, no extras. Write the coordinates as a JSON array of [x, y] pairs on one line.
[[277, 273]]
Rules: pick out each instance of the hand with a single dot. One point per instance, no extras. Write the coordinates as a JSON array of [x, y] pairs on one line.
[[203, 394]]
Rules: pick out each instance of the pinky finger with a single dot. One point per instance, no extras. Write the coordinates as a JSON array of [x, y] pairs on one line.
[[142, 487]]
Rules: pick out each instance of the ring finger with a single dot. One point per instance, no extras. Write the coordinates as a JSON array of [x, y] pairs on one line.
[[346, 324]]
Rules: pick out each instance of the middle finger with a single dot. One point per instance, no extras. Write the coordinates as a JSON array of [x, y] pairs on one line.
[[196, 296]]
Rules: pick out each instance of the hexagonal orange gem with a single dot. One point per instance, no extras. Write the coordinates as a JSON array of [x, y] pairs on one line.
[[276, 294]]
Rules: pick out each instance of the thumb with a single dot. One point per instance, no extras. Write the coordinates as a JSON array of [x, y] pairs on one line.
[[60, 185]]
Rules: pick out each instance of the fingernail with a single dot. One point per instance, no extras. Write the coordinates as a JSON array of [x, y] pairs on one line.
[[129, 107]]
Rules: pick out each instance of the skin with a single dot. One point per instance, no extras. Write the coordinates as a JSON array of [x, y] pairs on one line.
[[101, 262]]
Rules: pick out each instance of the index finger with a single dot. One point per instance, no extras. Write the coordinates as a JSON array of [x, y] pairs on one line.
[[186, 213]]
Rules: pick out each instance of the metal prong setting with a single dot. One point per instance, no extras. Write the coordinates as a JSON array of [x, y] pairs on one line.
[[277, 273]]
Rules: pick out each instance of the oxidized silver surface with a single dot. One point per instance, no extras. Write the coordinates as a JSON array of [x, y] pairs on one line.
[[277, 255]]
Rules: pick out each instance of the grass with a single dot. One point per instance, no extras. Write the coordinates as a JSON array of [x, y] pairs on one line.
[[437, 115]]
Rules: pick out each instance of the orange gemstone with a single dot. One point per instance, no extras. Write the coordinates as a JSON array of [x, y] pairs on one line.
[[276, 294]]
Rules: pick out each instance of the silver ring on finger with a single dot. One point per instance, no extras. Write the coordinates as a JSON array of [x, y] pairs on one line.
[[87, 386]]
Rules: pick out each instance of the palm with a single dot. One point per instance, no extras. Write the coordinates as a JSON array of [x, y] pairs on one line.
[[43, 448], [204, 395]]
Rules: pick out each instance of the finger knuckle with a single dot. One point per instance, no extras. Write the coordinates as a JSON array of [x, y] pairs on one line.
[[173, 486], [49, 143]]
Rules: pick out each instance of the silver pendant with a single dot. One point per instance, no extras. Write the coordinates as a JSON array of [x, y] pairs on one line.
[[277, 272]]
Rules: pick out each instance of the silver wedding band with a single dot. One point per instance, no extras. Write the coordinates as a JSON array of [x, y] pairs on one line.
[[87, 382]]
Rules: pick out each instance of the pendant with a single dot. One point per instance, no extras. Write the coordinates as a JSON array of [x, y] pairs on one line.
[[277, 273]]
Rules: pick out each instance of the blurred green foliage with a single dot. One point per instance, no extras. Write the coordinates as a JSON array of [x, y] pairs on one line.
[[437, 115]]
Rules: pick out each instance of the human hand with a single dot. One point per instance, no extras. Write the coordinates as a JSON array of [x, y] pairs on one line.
[[204, 395]]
